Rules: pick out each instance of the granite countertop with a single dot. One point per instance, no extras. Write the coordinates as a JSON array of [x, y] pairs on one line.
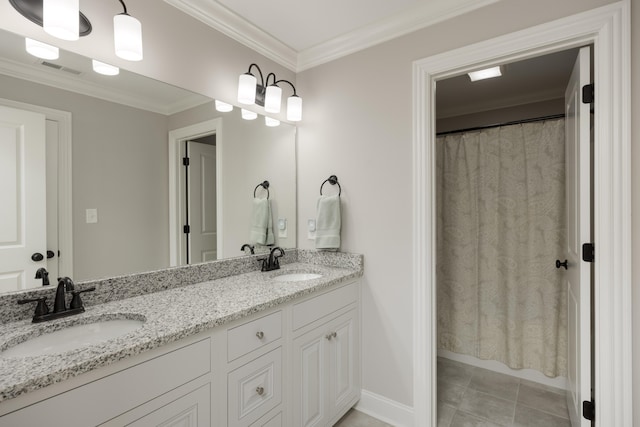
[[169, 316]]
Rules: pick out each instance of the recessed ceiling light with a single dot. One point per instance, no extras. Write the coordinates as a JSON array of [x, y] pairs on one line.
[[41, 50], [105, 69], [485, 74]]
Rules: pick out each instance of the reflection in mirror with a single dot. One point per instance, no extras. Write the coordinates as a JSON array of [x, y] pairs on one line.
[[111, 179]]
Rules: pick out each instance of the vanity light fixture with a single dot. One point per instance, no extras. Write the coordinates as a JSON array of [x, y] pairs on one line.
[[485, 74], [271, 122], [105, 69], [268, 95], [41, 50], [60, 18], [223, 107], [248, 115], [127, 36]]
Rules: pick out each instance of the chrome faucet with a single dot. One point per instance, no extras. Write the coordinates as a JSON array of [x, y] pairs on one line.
[[272, 262]]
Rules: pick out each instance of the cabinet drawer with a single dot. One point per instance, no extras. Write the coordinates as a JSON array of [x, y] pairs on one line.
[[270, 422], [313, 309], [254, 389], [252, 335], [193, 410]]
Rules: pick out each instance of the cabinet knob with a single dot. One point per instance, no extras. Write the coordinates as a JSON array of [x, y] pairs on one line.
[[260, 390], [260, 335], [331, 335]]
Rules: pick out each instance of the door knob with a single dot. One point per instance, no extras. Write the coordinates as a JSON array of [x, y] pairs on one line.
[[562, 264], [37, 257]]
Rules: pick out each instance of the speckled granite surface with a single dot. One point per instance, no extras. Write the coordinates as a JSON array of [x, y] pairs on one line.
[[169, 315]]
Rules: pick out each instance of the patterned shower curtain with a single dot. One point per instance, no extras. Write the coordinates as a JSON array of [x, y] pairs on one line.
[[501, 226]]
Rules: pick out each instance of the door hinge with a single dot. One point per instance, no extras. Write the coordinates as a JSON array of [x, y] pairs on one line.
[[588, 252], [589, 410], [588, 94], [185, 161], [186, 229]]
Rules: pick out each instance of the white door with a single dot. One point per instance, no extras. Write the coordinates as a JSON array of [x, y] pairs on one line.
[[202, 202], [310, 378], [23, 219], [578, 275]]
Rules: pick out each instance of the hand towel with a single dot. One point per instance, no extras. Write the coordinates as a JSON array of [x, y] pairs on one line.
[[328, 222], [261, 231]]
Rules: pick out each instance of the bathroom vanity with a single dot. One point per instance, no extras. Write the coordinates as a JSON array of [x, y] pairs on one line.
[[280, 348]]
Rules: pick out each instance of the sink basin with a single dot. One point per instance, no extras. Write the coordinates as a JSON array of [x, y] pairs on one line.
[[72, 337], [296, 277]]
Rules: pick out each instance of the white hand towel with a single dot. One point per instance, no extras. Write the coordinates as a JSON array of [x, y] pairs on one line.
[[328, 222], [261, 231]]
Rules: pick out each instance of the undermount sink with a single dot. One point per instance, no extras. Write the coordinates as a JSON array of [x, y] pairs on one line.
[[296, 277], [72, 337]]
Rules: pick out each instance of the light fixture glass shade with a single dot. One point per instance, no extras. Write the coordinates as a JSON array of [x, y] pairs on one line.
[[485, 74], [294, 108], [249, 115], [223, 107], [271, 122], [273, 99], [41, 50], [127, 37], [247, 89], [61, 18], [105, 69]]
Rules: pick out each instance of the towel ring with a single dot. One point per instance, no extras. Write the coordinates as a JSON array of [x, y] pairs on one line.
[[264, 185], [333, 180]]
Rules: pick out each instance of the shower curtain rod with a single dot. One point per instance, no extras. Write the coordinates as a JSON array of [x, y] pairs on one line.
[[516, 122]]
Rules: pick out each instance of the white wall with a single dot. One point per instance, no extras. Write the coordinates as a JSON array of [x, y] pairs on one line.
[[358, 126]]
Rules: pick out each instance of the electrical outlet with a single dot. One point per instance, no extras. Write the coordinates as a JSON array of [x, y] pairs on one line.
[[282, 228], [91, 216], [311, 229]]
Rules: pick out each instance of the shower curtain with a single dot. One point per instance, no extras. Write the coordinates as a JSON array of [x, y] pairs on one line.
[[501, 226]]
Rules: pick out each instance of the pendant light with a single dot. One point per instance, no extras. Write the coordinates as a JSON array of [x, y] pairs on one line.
[[127, 36], [41, 50], [223, 107], [248, 115], [271, 122], [60, 18], [105, 69]]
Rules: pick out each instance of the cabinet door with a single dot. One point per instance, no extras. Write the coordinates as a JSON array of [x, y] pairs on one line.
[[309, 379], [191, 410], [344, 372]]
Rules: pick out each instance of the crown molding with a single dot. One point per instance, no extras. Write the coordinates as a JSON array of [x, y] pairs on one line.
[[413, 19], [71, 83], [230, 24]]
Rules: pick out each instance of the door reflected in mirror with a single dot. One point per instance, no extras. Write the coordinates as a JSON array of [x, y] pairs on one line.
[[109, 158]]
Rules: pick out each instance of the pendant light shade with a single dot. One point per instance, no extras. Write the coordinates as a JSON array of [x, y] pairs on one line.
[[271, 122], [127, 35], [60, 18], [273, 99], [105, 69], [41, 50], [249, 115], [247, 89], [294, 108], [223, 107]]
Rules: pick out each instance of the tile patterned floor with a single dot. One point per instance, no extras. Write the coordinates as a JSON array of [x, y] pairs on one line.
[[475, 397]]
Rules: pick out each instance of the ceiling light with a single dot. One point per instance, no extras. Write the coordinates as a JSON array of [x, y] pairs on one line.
[[60, 18], [127, 36], [41, 50], [271, 122], [485, 74], [268, 94], [105, 69], [249, 115], [223, 107]]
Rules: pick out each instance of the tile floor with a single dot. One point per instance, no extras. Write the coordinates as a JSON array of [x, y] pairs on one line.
[[470, 396]]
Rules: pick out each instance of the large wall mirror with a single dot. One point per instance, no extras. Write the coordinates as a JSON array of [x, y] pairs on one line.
[[131, 195]]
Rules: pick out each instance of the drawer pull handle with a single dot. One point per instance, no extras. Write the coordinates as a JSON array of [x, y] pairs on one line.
[[260, 391], [260, 335], [331, 335]]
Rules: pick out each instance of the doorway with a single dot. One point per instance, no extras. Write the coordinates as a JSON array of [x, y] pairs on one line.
[[608, 30]]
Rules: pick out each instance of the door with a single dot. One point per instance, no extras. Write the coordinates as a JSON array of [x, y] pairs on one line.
[[202, 202], [309, 379], [344, 377], [23, 220], [578, 274]]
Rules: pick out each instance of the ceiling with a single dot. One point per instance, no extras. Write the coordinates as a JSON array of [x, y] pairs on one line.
[[300, 34]]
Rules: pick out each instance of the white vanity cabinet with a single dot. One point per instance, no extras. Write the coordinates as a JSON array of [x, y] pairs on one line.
[[326, 357]]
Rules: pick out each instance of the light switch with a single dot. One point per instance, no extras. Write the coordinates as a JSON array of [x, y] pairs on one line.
[[282, 228], [311, 229], [92, 216]]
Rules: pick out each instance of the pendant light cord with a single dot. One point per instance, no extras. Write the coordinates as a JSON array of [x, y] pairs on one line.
[[124, 6]]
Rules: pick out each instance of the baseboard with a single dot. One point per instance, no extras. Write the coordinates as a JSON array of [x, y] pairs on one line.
[[385, 409], [493, 365]]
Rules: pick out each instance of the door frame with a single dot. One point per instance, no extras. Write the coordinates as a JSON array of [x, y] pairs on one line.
[[65, 199], [176, 185], [608, 29]]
